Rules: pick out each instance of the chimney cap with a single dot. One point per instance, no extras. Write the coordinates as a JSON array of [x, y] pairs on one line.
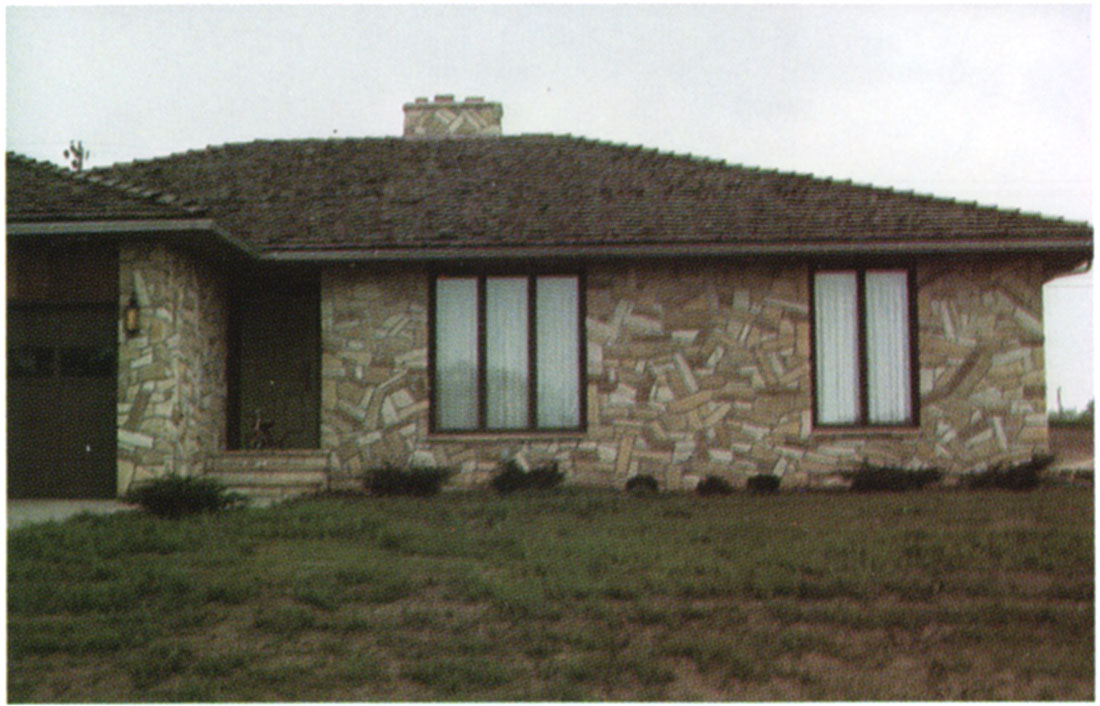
[[445, 98], [421, 99]]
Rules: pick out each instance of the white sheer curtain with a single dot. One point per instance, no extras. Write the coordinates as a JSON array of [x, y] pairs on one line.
[[836, 343], [888, 394], [456, 353], [506, 352], [557, 351]]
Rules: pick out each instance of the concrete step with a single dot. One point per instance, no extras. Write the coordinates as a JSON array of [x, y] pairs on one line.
[[234, 461], [269, 478], [270, 475]]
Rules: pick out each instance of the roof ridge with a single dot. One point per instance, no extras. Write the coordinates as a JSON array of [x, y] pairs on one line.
[[127, 189]]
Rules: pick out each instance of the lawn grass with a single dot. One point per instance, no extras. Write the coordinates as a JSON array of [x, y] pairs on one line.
[[564, 595]]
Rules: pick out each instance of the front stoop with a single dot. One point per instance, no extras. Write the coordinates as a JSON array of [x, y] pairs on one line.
[[271, 475]]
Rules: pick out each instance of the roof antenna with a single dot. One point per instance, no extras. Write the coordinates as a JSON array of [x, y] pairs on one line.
[[77, 154]]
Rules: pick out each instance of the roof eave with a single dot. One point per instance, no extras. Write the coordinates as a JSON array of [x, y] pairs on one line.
[[201, 231], [1056, 247]]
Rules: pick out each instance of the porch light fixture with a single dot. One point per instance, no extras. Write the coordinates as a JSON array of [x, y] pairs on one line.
[[131, 316]]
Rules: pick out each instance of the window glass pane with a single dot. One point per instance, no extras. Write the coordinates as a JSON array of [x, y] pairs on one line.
[[30, 362], [456, 353], [557, 352], [836, 345], [506, 352], [888, 380]]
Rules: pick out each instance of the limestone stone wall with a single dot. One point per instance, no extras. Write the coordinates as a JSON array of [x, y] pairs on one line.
[[172, 376], [982, 381], [694, 370], [374, 360]]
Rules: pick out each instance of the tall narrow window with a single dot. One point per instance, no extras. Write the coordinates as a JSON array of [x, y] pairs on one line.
[[557, 352], [862, 348], [506, 353], [456, 360], [888, 374]]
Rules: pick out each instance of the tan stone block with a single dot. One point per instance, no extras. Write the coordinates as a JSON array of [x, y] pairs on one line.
[[593, 405], [331, 366], [651, 456], [413, 410], [717, 413], [629, 425], [737, 391], [623, 455], [685, 373], [788, 429], [690, 402], [1029, 322], [1033, 435]]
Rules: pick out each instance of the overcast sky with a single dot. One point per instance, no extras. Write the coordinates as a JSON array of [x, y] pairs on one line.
[[984, 103]]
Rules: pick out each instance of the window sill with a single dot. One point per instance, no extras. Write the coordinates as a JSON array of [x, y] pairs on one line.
[[488, 437], [863, 432]]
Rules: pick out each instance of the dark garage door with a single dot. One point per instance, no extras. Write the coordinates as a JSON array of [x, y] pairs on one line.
[[61, 401]]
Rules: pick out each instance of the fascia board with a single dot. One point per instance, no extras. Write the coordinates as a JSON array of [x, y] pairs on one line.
[[132, 228], [1052, 246]]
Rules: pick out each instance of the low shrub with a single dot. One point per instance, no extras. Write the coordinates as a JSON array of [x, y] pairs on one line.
[[418, 481], [545, 477], [1018, 476], [714, 485], [642, 484], [763, 483], [511, 477], [174, 496], [870, 478]]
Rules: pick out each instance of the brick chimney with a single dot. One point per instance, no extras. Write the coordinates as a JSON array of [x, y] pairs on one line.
[[443, 117]]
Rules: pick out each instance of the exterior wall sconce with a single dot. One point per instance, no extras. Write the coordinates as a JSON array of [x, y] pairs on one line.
[[131, 316]]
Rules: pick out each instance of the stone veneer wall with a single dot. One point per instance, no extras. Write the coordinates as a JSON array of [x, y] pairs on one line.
[[172, 376], [695, 370]]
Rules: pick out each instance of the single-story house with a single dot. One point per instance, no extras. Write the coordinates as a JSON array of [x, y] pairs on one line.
[[305, 310]]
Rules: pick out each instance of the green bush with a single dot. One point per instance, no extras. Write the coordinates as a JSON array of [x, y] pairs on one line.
[[763, 483], [870, 478], [511, 477], [418, 481], [642, 484], [174, 495], [1018, 476], [545, 477], [714, 485]]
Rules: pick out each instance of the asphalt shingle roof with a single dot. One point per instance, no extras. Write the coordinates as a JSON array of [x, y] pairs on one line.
[[40, 192], [528, 190]]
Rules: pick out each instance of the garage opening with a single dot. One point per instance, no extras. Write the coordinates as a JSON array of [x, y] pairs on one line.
[[62, 340]]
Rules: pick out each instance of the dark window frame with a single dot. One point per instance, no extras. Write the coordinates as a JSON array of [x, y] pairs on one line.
[[531, 275], [864, 423]]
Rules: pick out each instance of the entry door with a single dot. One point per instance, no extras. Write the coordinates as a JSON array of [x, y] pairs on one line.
[[62, 387]]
